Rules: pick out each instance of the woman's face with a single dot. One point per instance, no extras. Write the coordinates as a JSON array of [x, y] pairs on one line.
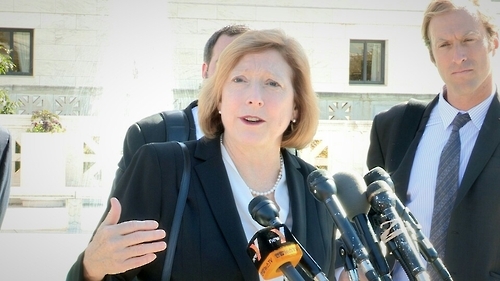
[[257, 103]]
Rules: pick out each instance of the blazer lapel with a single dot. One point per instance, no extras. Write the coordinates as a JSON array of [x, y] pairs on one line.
[[486, 143], [294, 180], [312, 224], [401, 176], [220, 198]]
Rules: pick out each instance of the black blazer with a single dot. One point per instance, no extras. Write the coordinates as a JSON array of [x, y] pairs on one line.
[[5, 171], [212, 244], [473, 239]]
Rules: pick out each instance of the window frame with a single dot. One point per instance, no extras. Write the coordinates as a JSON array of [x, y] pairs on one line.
[[11, 32], [365, 80]]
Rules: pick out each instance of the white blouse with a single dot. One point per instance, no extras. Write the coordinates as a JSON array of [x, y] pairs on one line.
[[243, 196]]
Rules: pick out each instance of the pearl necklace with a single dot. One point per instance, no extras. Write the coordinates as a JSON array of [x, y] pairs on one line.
[[280, 175]]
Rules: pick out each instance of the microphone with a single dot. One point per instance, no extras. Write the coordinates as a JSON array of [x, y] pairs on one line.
[[425, 246], [265, 212], [324, 189], [378, 173], [382, 201], [273, 254], [349, 265], [351, 191]]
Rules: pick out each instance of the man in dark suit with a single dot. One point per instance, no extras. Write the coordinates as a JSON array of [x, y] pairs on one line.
[[5, 171], [153, 128], [461, 41]]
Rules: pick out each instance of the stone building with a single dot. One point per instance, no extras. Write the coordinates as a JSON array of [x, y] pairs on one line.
[[139, 57], [121, 60]]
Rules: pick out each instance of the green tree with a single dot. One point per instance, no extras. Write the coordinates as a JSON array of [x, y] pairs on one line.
[[6, 105]]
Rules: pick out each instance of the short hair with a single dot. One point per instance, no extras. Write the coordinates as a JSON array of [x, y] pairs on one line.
[[229, 30], [298, 134], [439, 7]]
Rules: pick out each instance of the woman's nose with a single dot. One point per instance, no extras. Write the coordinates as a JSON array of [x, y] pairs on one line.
[[255, 95]]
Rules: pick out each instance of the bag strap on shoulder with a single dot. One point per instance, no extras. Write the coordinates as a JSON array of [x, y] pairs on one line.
[[179, 209], [176, 125]]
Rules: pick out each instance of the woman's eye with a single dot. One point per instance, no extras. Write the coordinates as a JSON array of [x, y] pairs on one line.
[[274, 84], [237, 79]]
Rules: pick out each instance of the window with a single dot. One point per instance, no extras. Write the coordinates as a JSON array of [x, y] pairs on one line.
[[20, 42], [366, 62]]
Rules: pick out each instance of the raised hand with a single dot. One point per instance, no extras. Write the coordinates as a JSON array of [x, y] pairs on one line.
[[116, 248]]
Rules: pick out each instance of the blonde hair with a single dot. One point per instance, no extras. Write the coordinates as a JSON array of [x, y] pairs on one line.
[[298, 134], [439, 7]]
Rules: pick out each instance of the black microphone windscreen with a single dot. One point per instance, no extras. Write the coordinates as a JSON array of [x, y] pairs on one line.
[[378, 173], [321, 186], [263, 210], [351, 190], [316, 175]]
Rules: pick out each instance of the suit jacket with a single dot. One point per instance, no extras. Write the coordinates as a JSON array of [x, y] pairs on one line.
[[212, 244], [473, 239], [5, 171]]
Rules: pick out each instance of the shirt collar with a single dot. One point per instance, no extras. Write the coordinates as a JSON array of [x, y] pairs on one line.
[[477, 114]]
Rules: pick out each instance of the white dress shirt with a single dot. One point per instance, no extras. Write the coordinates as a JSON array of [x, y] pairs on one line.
[[199, 132]]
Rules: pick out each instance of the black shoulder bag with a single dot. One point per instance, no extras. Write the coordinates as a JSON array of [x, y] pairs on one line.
[[179, 209], [176, 125]]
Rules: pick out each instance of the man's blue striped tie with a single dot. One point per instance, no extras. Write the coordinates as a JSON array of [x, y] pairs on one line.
[[446, 189]]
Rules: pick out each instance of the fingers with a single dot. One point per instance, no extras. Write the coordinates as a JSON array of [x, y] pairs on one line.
[[142, 254], [145, 248], [135, 225], [138, 261], [118, 247], [113, 217], [133, 243], [133, 250], [112, 253], [128, 233], [136, 232], [136, 255], [114, 212]]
